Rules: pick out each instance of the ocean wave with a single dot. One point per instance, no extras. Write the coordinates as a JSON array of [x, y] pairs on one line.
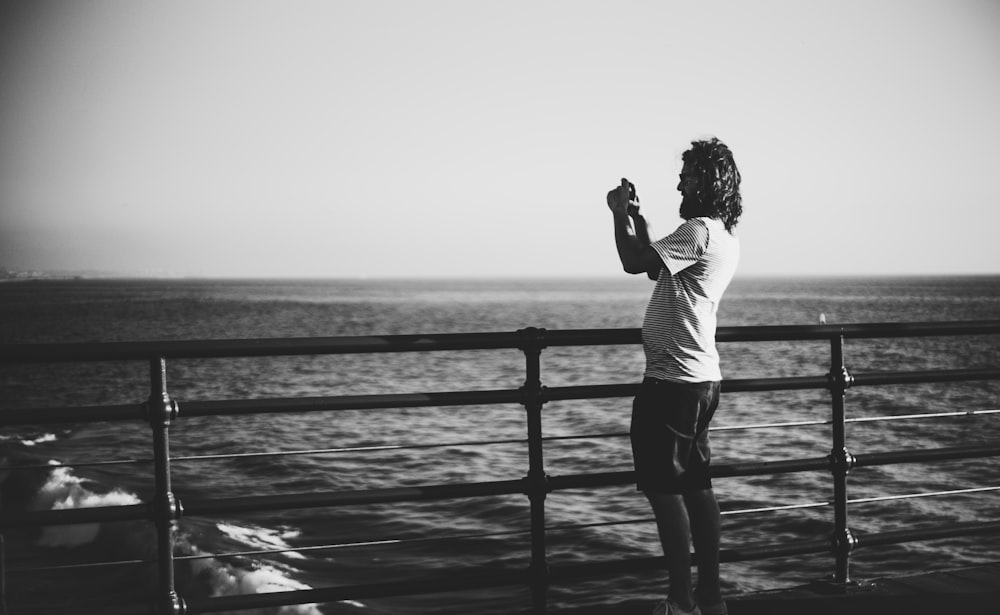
[[66, 490], [62, 489], [263, 578], [31, 439], [262, 538]]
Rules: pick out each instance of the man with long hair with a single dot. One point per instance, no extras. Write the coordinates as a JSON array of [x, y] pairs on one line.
[[679, 394]]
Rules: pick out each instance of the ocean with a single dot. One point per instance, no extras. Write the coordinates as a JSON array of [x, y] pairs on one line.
[[55, 466]]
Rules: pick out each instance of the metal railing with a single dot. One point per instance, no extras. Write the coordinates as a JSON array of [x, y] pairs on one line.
[[160, 411]]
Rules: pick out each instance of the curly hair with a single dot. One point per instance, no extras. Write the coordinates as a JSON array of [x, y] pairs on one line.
[[718, 180]]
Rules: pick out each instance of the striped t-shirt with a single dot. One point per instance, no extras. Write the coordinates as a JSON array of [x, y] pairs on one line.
[[678, 332]]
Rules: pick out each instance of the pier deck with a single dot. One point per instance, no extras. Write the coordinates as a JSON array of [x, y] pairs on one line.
[[965, 591]]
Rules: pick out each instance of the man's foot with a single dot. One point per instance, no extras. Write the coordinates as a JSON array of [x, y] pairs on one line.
[[669, 607], [709, 606]]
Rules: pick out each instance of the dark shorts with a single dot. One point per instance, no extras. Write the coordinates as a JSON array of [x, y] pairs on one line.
[[670, 435]]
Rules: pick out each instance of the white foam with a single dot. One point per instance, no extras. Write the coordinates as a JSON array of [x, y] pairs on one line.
[[228, 581], [65, 490], [262, 538], [263, 578], [49, 437]]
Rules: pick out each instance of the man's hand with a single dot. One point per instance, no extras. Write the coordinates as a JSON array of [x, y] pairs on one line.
[[618, 200]]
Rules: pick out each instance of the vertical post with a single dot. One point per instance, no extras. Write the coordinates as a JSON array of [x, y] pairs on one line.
[[160, 411], [841, 461], [536, 482]]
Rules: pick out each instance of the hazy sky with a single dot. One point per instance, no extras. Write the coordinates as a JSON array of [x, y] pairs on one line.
[[413, 138]]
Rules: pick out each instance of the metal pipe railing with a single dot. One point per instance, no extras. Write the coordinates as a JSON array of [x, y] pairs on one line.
[[160, 410], [274, 347]]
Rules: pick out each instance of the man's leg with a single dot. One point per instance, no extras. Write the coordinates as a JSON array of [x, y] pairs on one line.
[[703, 510], [674, 527]]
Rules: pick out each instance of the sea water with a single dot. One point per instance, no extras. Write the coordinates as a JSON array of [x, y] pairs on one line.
[[49, 465]]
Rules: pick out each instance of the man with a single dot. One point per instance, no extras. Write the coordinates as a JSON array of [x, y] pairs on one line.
[[680, 391]]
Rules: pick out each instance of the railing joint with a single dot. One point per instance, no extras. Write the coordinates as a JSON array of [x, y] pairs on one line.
[[843, 541], [536, 484], [533, 394], [164, 510], [842, 461], [160, 411], [532, 339], [839, 380]]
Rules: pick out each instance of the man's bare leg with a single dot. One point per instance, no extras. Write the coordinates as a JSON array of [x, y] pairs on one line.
[[674, 527], [705, 521]]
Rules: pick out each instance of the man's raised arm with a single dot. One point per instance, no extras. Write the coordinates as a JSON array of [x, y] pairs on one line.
[[632, 233]]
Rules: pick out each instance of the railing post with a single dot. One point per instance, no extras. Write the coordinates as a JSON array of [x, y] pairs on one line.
[[160, 411], [536, 483], [841, 461]]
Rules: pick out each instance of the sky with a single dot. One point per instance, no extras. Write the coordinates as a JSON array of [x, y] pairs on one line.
[[402, 138]]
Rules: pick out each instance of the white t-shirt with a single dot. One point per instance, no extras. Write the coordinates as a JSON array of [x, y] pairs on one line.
[[678, 332]]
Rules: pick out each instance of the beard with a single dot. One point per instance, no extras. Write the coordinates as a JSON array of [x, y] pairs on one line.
[[691, 207]]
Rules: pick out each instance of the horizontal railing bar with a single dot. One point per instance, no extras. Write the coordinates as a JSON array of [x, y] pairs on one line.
[[779, 333], [730, 385], [71, 414], [289, 453], [193, 349], [918, 415], [87, 565], [233, 407], [926, 454], [931, 494], [925, 376], [973, 528], [865, 419], [73, 516], [256, 347], [348, 498], [351, 402]]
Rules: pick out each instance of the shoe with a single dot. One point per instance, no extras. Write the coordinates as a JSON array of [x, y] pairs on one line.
[[715, 609], [669, 607]]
